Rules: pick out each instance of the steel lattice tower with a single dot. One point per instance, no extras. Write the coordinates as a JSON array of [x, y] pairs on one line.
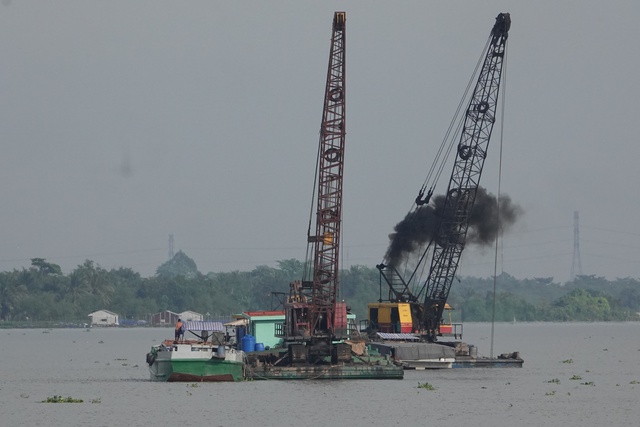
[[329, 199], [171, 254], [576, 264], [465, 177], [312, 305]]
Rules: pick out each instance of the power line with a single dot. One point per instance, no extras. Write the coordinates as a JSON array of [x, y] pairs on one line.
[[171, 254]]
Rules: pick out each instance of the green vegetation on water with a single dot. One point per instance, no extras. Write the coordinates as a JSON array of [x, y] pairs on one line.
[[60, 399], [43, 296], [426, 386]]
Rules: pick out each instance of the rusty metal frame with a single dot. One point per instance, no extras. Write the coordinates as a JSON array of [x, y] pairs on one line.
[[329, 201]]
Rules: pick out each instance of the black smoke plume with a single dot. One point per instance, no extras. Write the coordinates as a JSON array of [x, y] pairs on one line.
[[421, 225]]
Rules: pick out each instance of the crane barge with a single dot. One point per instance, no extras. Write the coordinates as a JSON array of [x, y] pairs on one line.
[[315, 331], [411, 321]]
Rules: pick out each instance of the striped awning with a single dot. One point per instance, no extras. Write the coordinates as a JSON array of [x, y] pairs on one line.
[[204, 326]]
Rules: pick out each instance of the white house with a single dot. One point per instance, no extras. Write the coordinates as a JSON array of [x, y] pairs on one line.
[[190, 316], [164, 318], [103, 318]]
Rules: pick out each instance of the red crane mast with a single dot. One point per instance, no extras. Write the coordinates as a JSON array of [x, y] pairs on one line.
[[313, 317]]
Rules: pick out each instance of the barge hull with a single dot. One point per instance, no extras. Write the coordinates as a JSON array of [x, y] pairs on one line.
[[211, 370], [180, 377], [419, 356], [308, 372], [467, 362]]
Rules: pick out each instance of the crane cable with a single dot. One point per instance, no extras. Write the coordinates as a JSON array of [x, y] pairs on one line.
[[440, 162], [495, 261], [307, 264]]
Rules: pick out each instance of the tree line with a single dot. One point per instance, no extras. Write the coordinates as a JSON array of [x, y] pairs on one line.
[[42, 293]]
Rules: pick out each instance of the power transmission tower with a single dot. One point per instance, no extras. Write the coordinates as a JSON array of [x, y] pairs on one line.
[[171, 247], [576, 264]]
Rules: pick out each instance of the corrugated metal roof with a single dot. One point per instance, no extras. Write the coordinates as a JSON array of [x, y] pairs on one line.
[[397, 337], [264, 313], [204, 326]]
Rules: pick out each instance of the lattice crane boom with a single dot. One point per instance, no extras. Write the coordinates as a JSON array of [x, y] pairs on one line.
[[329, 199], [428, 302], [465, 177], [314, 319]]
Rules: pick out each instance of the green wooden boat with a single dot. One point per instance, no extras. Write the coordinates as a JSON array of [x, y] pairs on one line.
[[194, 361]]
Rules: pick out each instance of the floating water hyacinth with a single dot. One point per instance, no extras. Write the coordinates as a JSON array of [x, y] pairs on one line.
[[60, 399], [426, 386]]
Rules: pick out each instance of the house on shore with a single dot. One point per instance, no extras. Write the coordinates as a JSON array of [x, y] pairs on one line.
[[165, 318], [103, 318], [191, 316]]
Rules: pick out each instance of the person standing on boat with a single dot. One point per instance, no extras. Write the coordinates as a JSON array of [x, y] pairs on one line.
[[179, 330]]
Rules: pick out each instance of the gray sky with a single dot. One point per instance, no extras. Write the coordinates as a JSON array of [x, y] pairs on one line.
[[123, 122]]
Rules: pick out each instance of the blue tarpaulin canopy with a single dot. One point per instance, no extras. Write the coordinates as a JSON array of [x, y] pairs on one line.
[[199, 326]]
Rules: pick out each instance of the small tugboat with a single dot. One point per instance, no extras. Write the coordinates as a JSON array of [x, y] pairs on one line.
[[208, 358]]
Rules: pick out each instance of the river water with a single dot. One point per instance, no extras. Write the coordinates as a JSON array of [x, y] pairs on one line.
[[106, 368]]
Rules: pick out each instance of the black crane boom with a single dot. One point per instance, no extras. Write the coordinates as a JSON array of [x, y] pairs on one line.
[[448, 240], [465, 177]]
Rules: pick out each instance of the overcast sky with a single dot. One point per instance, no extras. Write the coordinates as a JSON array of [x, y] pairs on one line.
[[123, 122]]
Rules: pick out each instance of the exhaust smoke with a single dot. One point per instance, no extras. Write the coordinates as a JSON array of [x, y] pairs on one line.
[[420, 226]]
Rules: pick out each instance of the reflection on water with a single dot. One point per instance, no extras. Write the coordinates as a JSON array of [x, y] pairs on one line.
[[107, 366]]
